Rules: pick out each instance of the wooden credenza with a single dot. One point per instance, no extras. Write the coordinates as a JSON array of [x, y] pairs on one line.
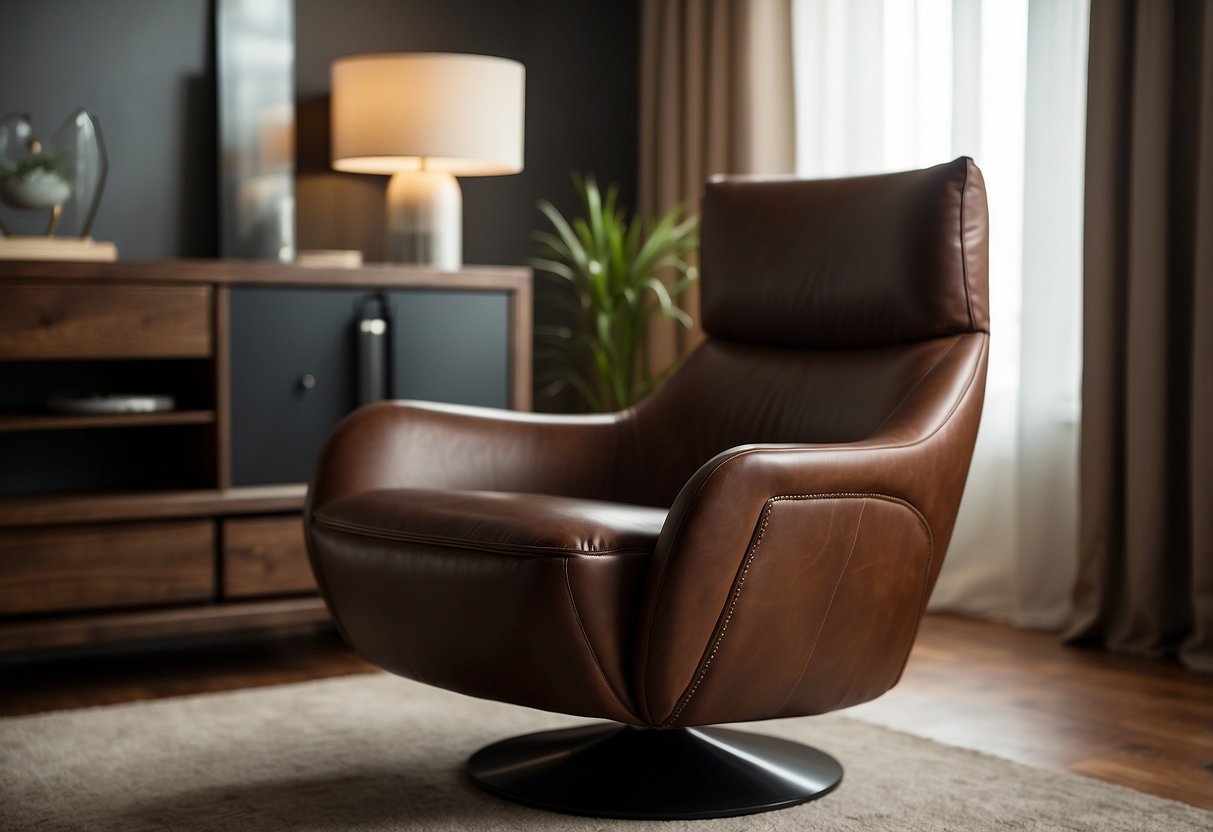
[[133, 526]]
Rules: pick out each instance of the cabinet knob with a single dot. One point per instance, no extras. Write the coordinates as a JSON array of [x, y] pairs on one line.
[[307, 381]]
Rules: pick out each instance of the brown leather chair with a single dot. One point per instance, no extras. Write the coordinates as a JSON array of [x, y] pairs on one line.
[[755, 540]]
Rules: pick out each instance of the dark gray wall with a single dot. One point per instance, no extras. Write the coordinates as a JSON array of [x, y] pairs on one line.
[[144, 68]]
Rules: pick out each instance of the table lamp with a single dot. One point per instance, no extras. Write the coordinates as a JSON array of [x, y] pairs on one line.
[[426, 118]]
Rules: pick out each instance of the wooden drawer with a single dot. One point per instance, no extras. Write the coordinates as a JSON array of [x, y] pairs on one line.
[[106, 565], [116, 321], [265, 556]]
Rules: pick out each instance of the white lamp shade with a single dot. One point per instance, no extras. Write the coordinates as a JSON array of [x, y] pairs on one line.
[[461, 113]]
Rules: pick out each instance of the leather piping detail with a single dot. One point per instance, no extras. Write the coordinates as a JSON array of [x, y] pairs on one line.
[[964, 251], [321, 580], [894, 446], [934, 363], [642, 684], [709, 654], [726, 616], [627, 440], [568, 585], [459, 543], [964, 394]]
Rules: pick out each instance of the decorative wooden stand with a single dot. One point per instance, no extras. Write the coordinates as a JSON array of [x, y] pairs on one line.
[[57, 248]]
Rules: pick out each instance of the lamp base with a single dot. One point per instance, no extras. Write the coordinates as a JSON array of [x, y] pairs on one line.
[[425, 219]]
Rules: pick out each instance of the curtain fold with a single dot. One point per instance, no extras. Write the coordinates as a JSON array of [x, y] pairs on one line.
[[716, 97], [1050, 351], [1145, 581]]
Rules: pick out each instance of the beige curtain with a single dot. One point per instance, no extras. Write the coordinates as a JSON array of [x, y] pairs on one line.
[[1145, 581], [715, 97]]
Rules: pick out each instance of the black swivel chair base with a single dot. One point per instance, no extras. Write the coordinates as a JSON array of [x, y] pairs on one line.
[[616, 771]]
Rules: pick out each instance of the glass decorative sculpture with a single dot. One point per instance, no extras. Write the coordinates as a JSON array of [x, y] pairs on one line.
[[62, 177]]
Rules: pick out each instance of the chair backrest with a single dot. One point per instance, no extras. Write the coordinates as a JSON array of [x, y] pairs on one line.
[[868, 261], [823, 303]]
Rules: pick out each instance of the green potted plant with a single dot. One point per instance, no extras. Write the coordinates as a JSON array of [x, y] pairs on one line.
[[610, 267], [38, 182]]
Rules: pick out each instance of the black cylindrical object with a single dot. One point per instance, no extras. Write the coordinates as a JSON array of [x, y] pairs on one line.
[[373, 332]]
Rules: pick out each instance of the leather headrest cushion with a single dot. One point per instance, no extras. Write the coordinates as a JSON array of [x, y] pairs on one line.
[[844, 263]]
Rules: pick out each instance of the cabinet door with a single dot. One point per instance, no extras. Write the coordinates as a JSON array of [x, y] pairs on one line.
[[293, 377], [451, 347], [448, 346]]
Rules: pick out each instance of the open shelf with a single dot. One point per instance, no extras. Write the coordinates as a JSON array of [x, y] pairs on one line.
[[12, 422], [129, 455]]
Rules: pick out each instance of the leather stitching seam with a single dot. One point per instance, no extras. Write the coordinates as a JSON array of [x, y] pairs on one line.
[[568, 585], [642, 685], [710, 654], [964, 249], [479, 545], [934, 363], [892, 446], [739, 583]]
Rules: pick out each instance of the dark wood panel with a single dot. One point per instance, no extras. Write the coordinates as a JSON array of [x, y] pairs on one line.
[[142, 626], [48, 321], [522, 336], [257, 272], [265, 556], [10, 422], [90, 508], [222, 380], [93, 567]]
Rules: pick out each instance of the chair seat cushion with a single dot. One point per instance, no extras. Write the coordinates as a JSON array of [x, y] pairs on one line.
[[494, 521], [525, 598]]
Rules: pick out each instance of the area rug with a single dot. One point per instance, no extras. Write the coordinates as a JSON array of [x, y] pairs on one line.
[[374, 752]]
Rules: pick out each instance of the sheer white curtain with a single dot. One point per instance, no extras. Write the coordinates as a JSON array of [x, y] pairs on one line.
[[893, 84]]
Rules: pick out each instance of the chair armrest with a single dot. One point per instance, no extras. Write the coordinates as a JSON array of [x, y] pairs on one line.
[[769, 546], [401, 444]]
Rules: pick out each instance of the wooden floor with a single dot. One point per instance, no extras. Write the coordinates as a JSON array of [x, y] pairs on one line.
[[1024, 696], [1015, 694]]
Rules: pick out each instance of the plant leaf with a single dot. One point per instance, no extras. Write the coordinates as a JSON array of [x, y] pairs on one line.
[[612, 265], [553, 267], [576, 251]]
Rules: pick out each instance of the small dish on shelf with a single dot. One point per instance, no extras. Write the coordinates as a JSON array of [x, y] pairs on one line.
[[109, 404]]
